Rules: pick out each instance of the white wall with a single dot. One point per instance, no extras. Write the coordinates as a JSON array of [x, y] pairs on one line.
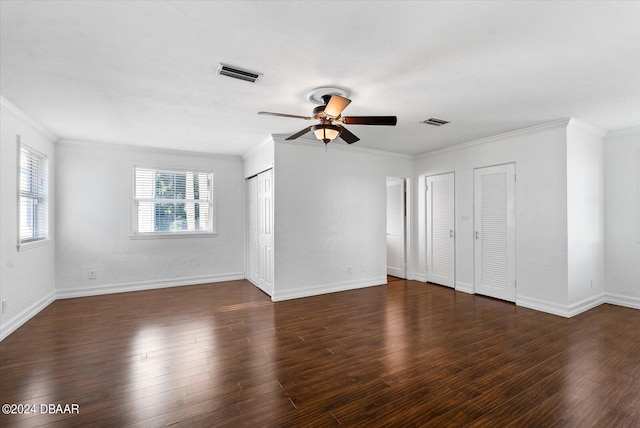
[[259, 159], [585, 215], [622, 217], [27, 277], [539, 155], [94, 223], [330, 213]]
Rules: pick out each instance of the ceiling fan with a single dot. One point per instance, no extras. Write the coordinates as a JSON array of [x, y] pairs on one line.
[[329, 114]]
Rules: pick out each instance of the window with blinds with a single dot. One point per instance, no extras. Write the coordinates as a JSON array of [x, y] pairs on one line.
[[172, 201], [32, 204]]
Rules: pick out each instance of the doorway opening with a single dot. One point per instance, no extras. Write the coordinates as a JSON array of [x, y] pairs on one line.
[[397, 225]]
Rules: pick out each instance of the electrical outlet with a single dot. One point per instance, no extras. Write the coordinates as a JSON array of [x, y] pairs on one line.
[[4, 306], [349, 269], [92, 274]]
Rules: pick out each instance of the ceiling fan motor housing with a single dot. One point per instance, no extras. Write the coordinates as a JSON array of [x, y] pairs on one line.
[[318, 112]]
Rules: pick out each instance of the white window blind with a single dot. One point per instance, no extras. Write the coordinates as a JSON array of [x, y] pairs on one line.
[[170, 201], [32, 205]]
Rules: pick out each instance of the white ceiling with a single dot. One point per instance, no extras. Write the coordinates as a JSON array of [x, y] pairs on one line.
[[144, 72]]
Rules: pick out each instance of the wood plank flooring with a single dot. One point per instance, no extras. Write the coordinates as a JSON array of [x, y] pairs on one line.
[[404, 354]]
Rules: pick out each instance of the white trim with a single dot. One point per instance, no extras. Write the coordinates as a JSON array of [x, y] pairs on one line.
[[620, 300], [529, 130], [257, 147], [145, 285], [32, 153], [172, 235], [297, 293], [33, 244], [566, 311], [587, 127], [464, 287], [542, 305], [623, 132], [91, 145], [22, 116], [212, 229], [415, 276], [585, 304], [14, 323]]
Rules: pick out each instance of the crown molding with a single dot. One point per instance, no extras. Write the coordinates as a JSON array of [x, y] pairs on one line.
[[22, 116], [560, 123], [87, 144], [587, 127], [254, 149], [624, 132]]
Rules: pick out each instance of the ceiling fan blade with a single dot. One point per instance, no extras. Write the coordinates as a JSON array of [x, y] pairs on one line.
[[347, 135], [335, 105], [369, 120], [299, 133], [284, 115]]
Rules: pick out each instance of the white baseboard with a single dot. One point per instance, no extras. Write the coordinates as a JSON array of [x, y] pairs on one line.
[[422, 277], [586, 304], [297, 293], [12, 325], [566, 311], [464, 287], [144, 285], [620, 300]]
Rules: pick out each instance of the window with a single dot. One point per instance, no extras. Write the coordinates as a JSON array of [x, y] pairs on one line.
[[32, 204], [170, 201]]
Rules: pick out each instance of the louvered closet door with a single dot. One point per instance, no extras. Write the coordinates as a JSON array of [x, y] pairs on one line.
[[440, 230], [494, 234]]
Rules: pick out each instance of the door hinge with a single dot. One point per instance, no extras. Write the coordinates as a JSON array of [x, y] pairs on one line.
[[515, 283], [514, 177]]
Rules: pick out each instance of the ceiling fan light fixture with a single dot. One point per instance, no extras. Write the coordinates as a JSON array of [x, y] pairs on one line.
[[326, 132]]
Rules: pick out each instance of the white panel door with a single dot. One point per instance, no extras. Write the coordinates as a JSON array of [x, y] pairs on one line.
[[252, 227], [440, 230], [494, 224], [265, 231], [396, 227]]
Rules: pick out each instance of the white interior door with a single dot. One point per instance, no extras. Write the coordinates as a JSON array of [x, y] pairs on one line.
[[252, 227], [396, 209], [494, 223], [440, 229], [265, 231]]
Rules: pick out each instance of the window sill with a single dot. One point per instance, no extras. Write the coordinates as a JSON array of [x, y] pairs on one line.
[[34, 244], [170, 235]]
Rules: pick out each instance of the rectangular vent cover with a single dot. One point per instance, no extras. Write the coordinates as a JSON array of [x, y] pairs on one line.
[[238, 73], [435, 122]]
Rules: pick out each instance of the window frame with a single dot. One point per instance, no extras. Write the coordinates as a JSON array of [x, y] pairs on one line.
[[135, 234], [43, 237]]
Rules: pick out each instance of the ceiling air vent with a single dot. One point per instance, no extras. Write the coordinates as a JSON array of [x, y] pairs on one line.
[[238, 73], [435, 122]]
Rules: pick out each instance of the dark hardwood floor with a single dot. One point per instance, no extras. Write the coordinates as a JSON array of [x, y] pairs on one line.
[[404, 354]]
